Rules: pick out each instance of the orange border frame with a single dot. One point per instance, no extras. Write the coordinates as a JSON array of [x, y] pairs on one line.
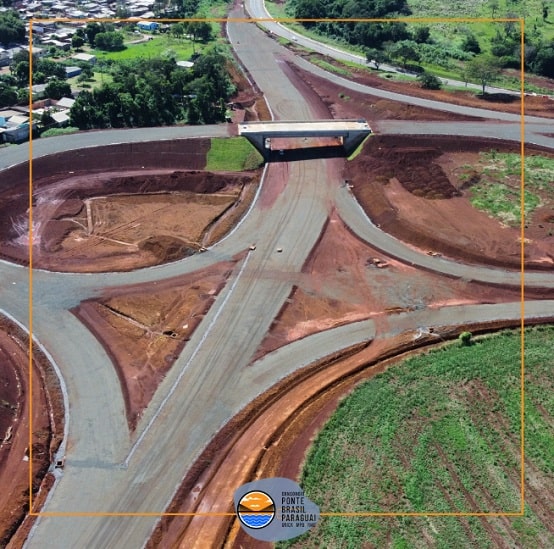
[[521, 21]]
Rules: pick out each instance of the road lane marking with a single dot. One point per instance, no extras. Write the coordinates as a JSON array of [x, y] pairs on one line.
[[137, 443]]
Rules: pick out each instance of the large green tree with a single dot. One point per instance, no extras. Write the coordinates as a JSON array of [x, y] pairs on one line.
[[56, 89], [405, 50], [8, 95], [109, 41], [12, 28], [544, 62], [483, 68]]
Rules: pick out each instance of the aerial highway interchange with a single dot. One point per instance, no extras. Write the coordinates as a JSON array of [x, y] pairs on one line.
[[110, 471]]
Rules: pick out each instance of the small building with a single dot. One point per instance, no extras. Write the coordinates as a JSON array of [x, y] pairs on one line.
[[38, 52], [6, 114], [16, 133], [85, 58], [4, 57], [61, 118], [18, 120], [65, 46], [148, 25], [70, 72], [65, 103]]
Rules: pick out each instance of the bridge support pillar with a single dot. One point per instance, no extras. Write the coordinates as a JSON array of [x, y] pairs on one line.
[[258, 140], [352, 139]]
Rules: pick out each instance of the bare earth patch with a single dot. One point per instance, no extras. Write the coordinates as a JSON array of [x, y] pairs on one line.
[[144, 328], [420, 210], [109, 227], [115, 208], [345, 280], [47, 424], [410, 188]]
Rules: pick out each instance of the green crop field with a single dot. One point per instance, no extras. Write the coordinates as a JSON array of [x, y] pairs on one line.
[[232, 154], [498, 190], [440, 432]]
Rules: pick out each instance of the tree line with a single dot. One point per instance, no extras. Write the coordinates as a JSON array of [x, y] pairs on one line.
[[398, 41], [157, 92], [12, 28]]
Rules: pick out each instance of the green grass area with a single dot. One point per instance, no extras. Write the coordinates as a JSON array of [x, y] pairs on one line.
[[428, 435], [232, 154], [59, 131], [98, 79], [359, 148], [502, 202], [530, 10], [160, 46], [330, 67], [498, 190]]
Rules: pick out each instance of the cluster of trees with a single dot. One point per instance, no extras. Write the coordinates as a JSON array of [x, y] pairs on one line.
[[13, 85], [43, 69], [8, 93], [373, 35], [399, 43], [100, 35], [199, 31], [177, 8], [12, 28], [154, 92]]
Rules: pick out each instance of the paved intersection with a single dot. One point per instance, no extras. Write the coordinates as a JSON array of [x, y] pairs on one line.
[[209, 382]]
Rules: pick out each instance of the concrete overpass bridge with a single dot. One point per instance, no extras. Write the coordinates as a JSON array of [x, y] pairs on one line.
[[348, 133]]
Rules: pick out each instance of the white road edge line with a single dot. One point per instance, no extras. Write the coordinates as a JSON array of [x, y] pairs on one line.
[[61, 450], [137, 443], [227, 236]]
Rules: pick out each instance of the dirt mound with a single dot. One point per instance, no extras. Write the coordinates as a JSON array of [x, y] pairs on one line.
[[414, 167], [166, 248], [15, 417], [121, 220], [410, 187], [194, 181]]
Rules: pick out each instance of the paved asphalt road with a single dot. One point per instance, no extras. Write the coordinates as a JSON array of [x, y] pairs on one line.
[[257, 10], [209, 382]]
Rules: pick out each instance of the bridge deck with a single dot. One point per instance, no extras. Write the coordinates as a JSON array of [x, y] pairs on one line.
[[303, 128]]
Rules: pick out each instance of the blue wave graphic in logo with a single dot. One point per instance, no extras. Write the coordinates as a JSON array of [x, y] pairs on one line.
[[257, 520]]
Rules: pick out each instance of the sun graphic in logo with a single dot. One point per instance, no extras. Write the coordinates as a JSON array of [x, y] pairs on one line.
[[256, 509]]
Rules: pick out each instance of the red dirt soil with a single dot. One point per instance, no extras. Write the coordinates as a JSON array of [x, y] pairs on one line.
[[270, 438], [47, 422], [538, 105], [344, 280], [430, 193], [120, 221], [409, 187], [144, 328]]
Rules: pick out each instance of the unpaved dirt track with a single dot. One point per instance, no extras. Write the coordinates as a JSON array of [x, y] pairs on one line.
[[216, 382]]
